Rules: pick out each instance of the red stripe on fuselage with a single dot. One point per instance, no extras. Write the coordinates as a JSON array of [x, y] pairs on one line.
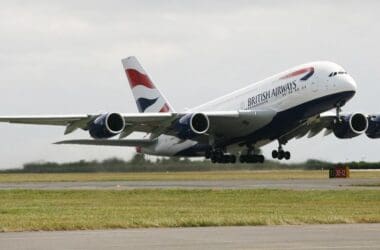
[[298, 72], [136, 78]]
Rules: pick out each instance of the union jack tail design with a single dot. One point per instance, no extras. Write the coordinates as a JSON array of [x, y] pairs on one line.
[[148, 98]]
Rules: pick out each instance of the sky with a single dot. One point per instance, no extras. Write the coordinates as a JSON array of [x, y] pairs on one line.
[[63, 57]]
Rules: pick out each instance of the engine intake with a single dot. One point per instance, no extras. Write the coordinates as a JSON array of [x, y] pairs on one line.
[[351, 126], [107, 125], [199, 123], [192, 125]]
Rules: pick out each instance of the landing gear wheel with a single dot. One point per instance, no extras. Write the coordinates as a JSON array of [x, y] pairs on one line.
[[251, 158], [208, 154], [218, 156], [213, 160], [261, 158], [281, 155], [287, 155], [274, 154]]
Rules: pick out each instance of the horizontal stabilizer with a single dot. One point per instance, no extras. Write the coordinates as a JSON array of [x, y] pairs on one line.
[[120, 143]]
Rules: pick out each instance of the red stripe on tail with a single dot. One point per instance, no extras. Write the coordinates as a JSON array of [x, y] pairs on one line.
[[164, 109], [136, 78]]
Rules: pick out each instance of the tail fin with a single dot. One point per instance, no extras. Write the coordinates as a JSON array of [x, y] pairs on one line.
[[148, 98]]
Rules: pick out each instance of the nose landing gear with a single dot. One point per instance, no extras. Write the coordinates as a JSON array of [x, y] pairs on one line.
[[338, 110]]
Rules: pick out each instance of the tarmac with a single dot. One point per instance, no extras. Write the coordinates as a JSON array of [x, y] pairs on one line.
[[296, 184], [345, 236]]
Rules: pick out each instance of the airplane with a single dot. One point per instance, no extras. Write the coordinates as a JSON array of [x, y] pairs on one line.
[[291, 104]]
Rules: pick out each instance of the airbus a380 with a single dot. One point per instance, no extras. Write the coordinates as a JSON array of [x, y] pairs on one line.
[[282, 107]]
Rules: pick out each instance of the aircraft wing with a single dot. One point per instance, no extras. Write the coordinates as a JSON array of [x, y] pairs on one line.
[[232, 124], [60, 120], [142, 122], [223, 124], [155, 123], [311, 128], [121, 143], [72, 122]]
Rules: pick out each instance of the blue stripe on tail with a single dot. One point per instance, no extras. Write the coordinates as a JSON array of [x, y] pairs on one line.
[[143, 103]]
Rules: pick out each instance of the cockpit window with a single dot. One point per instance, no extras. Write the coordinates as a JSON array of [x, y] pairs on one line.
[[337, 73]]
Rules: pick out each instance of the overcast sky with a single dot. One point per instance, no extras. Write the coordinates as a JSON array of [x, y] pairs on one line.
[[64, 58]]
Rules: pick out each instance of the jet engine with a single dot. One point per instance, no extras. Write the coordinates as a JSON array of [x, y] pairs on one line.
[[373, 130], [350, 126], [107, 125], [192, 125]]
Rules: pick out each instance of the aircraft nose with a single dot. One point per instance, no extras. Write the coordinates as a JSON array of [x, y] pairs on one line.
[[350, 83]]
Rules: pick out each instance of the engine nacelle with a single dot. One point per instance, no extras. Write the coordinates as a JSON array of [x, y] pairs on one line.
[[373, 130], [192, 125], [107, 125], [351, 125]]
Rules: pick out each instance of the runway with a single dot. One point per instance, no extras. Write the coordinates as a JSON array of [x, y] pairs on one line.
[[297, 184], [347, 236]]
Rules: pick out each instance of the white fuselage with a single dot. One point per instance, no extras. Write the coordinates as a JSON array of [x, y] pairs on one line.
[[281, 92]]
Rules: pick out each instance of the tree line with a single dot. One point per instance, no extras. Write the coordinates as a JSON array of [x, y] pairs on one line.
[[139, 163]]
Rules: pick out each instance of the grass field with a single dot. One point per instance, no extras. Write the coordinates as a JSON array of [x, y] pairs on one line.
[[68, 210], [207, 175]]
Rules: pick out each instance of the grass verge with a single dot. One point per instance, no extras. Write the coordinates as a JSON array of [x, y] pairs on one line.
[[367, 185], [22, 210], [208, 175]]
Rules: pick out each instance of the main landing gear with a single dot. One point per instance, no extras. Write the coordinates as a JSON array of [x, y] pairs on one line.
[[251, 157], [218, 156], [338, 109], [280, 153]]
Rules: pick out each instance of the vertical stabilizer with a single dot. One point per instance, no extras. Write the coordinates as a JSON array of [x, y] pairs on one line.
[[148, 97]]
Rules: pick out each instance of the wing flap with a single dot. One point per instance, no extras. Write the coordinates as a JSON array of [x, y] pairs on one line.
[[311, 128]]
